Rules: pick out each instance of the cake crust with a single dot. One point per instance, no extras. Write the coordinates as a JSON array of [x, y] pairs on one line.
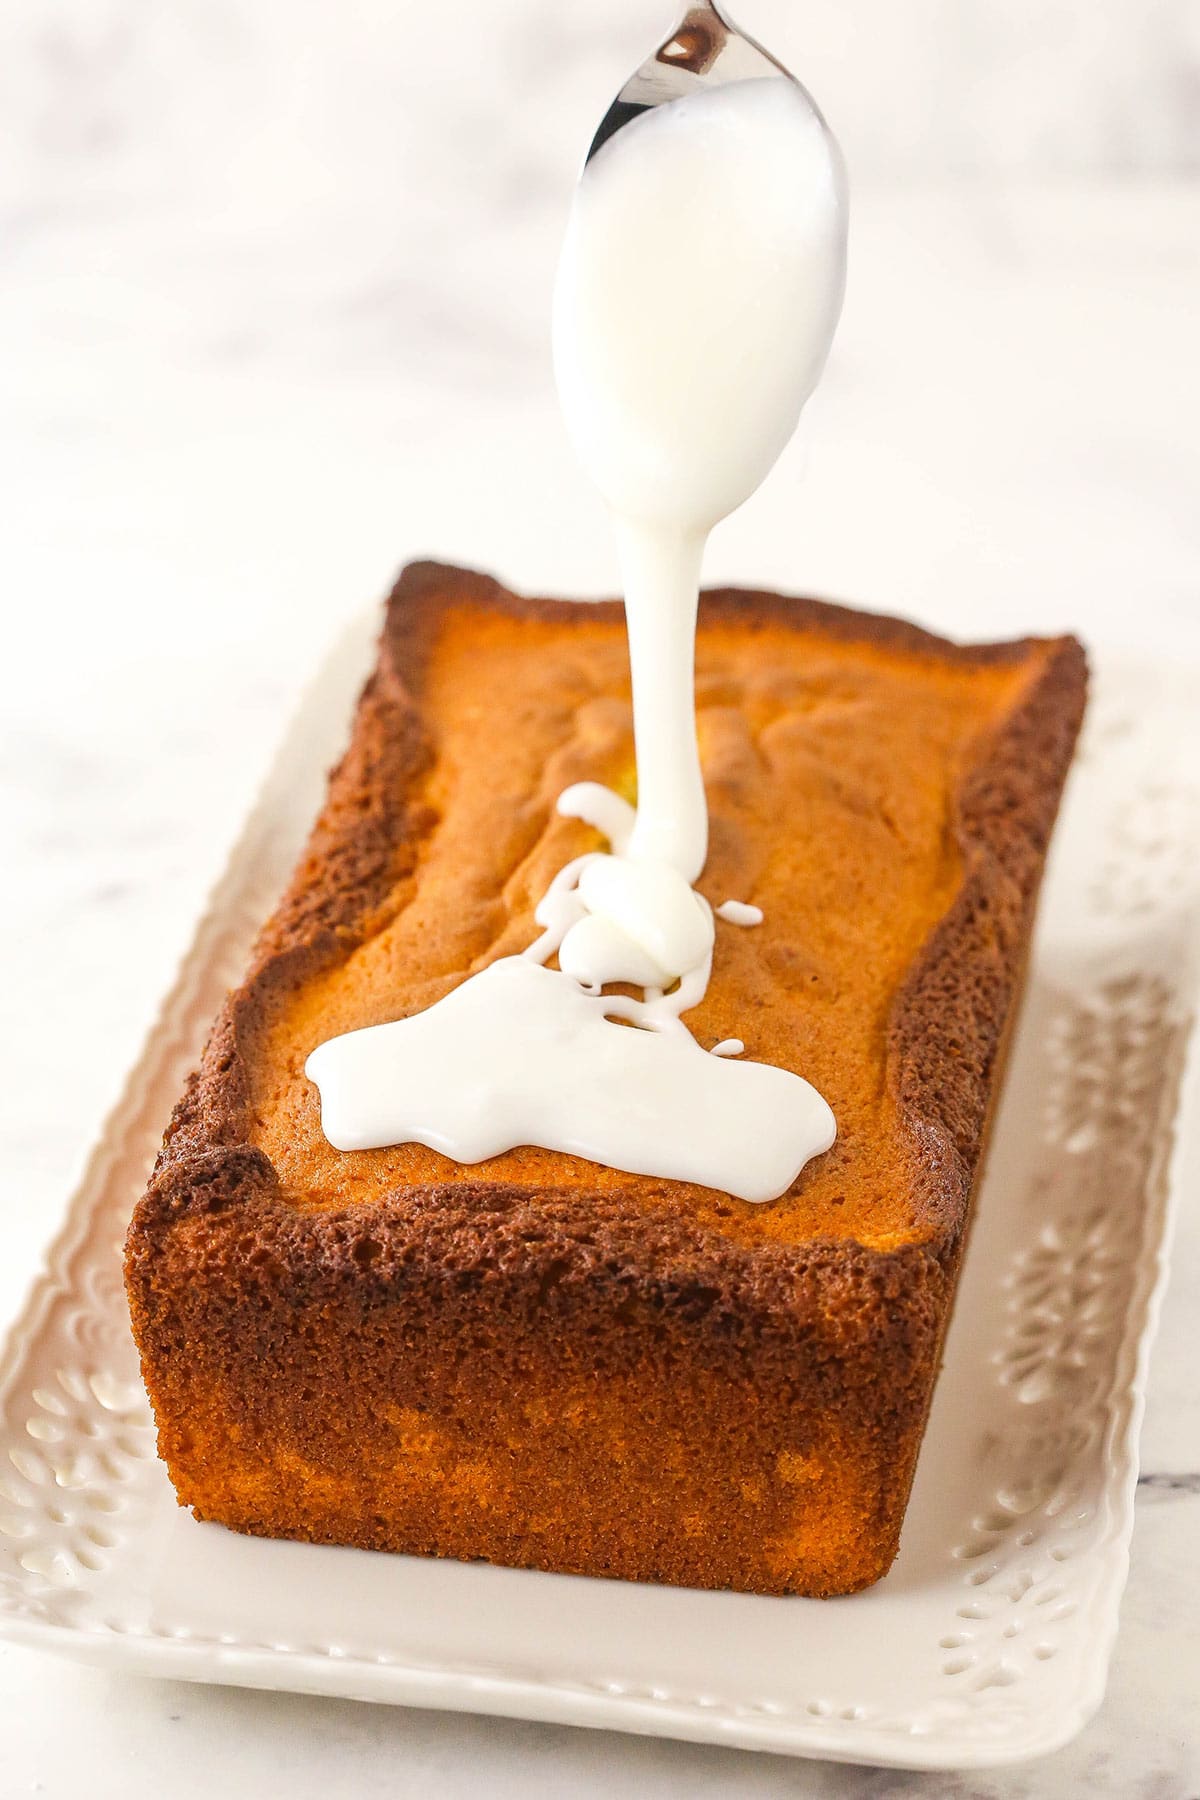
[[554, 1372]]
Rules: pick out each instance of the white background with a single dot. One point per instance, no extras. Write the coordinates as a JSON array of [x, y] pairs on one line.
[[273, 293]]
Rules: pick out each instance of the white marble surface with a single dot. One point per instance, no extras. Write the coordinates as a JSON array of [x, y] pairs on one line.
[[272, 318]]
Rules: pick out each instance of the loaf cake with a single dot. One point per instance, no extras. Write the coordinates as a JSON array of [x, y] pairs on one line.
[[535, 1360]]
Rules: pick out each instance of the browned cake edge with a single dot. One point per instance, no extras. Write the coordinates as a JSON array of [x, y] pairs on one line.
[[830, 1315]]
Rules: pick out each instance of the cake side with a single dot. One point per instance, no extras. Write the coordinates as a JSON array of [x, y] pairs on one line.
[[520, 1384], [558, 1376]]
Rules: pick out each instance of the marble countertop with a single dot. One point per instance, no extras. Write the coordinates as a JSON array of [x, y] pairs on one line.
[[217, 441]]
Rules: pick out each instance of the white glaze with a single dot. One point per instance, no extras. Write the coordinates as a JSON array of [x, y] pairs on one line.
[[699, 286], [651, 1102], [700, 283], [739, 912]]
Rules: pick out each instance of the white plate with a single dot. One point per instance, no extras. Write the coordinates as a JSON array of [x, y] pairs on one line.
[[989, 1640]]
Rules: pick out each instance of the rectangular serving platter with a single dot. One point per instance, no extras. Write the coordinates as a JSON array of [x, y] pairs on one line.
[[989, 1640]]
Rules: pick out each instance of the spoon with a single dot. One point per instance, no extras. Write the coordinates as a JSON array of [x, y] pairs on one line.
[[706, 49]]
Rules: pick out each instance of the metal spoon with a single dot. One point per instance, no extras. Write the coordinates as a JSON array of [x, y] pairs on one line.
[[706, 49]]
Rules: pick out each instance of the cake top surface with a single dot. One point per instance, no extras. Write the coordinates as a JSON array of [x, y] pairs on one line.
[[883, 796]]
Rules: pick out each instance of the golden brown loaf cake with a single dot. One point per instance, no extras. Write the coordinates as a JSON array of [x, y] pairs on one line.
[[536, 1360]]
